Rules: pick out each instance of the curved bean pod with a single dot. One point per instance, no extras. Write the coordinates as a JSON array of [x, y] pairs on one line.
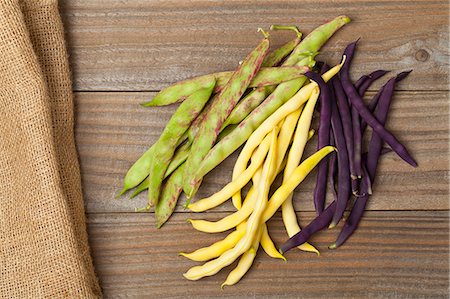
[[214, 250], [365, 113], [241, 167], [165, 146], [276, 57], [281, 94], [267, 244], [169, 196], [300, 138], [228, 257], [237, 184], [220, 109], [317, 38], [229, 221], [294, 180], [319, 223], [245, 262], [323, 134]]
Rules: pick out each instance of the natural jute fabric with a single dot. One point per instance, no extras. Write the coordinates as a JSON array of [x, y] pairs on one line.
[[44, 248]]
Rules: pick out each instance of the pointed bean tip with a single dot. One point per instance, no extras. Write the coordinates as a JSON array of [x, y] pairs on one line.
[[122, 192], [332, 246], [146, 104], [332, 225], [346, 19]]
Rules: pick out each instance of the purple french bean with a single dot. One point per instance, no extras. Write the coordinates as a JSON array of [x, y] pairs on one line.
[[372, 77], [344, 111], [344, 185], [371, 162], [381, 113], [319, 223], [373, 103], [365, 113], [332, 169], [355, 216], [323, 140], [343, 193]]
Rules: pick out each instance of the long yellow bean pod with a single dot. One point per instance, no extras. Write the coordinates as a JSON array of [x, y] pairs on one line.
[[286, 133], [244, 264], [301, 136], [294, 180], [290, 106], [216, 249], [229, 221], [253, 223], [240, 167], [267, 244], [237, 184]]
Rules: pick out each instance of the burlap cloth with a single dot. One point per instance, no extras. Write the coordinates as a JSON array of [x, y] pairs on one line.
[[44, 250]]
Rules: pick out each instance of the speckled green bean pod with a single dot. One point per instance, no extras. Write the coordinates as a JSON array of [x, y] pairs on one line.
[[169, 196], [311, 44], [167, 142], [220, 110]]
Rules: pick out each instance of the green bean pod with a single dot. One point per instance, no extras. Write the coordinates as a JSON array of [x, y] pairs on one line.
[[276, 57], [165, 146], [138, 171], [314, 41], [265, 76], [220, 110], [283, 92], [178, 158], [169, 196], [255, 97], [181, 90]]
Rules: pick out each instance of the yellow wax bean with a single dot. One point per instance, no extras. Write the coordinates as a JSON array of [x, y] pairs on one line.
[[301, 136], [244, 264], [229, 221], [294, 180], [290, 106], [237, 184], [216, 249], [285, 136], [253, 223], [267, 244], [240, 167]]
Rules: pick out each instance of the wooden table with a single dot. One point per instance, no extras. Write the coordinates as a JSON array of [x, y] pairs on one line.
[[122, 52]]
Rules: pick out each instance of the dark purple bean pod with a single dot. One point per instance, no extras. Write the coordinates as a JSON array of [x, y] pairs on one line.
[[323, 140], [354, 218], [332, 169], [373, 103], [381, 113], [372, 77], [366, 176], [362, 88], [344, 111], [343, 193], [319, 223], [357, 144], [371, 161], [365, 113], [344, 189]]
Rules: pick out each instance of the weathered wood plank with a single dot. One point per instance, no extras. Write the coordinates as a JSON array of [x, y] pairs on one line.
[[146, 45], [112, 131], [393, 254]]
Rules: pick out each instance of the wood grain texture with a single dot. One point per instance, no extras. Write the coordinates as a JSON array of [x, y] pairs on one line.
[[113, 131], [147, 45], [135, 45], [392, 255]]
